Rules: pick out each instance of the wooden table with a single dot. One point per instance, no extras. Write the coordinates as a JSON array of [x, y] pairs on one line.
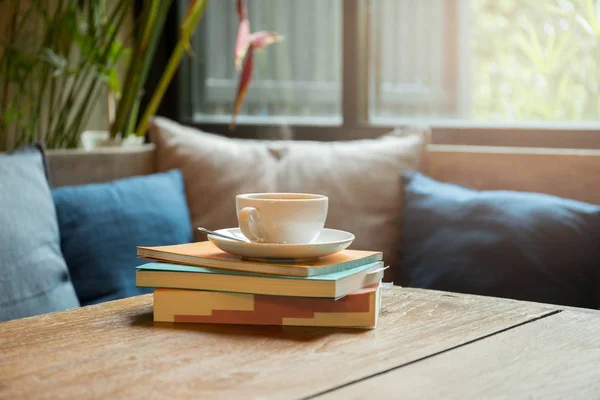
[[427, 345]]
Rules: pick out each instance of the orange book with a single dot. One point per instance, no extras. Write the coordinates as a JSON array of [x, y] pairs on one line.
[[206, 254], [357, 310]]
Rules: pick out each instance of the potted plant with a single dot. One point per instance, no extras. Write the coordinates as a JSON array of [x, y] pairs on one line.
[[56, 58], [246, 43], [59, 60]]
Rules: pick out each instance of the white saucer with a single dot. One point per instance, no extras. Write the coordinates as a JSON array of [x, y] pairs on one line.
[[329, 241]]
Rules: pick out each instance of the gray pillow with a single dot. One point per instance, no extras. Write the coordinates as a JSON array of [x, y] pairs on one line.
[[33, 275]]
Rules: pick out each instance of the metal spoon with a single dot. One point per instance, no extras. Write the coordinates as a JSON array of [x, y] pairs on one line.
[[209, 232]]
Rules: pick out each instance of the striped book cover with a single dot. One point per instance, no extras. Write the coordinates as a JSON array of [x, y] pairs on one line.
[[356, 310]]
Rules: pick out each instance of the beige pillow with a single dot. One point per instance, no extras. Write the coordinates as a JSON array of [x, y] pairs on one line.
[[362, 178]]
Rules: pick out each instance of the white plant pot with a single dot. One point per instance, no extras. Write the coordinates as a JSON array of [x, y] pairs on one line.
[[132, 141], [91, 140]]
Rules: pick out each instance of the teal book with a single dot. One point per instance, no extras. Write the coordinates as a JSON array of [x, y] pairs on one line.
[[333, 285]]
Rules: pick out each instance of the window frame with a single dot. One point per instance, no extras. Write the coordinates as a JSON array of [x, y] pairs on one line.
[[355, 124]]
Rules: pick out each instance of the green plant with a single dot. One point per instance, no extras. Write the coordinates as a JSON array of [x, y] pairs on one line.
[[536, 60], [56, 58], [50, 86], [148, 30], [188, 25]]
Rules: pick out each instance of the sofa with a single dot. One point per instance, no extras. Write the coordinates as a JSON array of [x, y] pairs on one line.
[[377, 196]]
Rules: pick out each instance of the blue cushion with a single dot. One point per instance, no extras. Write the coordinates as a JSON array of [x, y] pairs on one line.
[[525, 246], [33, 274], [102, 224]]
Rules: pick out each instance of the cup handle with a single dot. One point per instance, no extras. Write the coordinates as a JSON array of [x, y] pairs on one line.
[[248, 217]]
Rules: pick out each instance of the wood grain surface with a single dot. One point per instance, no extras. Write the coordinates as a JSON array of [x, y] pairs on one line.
[[115, 350], [560, 172], [552, 358]]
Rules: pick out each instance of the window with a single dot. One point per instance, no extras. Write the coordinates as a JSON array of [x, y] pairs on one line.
[[298, 79], [486, 60], [368, 65]]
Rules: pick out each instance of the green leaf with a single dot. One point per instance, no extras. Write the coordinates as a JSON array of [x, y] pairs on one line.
[[593, 14], [585, 24], [114, 83], [115, 51], [58, 62]]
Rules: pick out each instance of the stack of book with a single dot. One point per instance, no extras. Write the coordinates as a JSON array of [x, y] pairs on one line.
[[197, 282]]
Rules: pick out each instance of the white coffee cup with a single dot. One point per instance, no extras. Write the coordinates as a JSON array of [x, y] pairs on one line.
[[281, 217]]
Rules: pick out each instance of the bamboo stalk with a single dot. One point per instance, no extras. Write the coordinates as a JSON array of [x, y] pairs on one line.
[[84, 75], [19, 95], [46, 73], [132, 83], [26, 92], [170, 70], [64, 81], [148, 59], [83, 112], [14, 9], [133, 116], [189, 24], [28, 87]]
